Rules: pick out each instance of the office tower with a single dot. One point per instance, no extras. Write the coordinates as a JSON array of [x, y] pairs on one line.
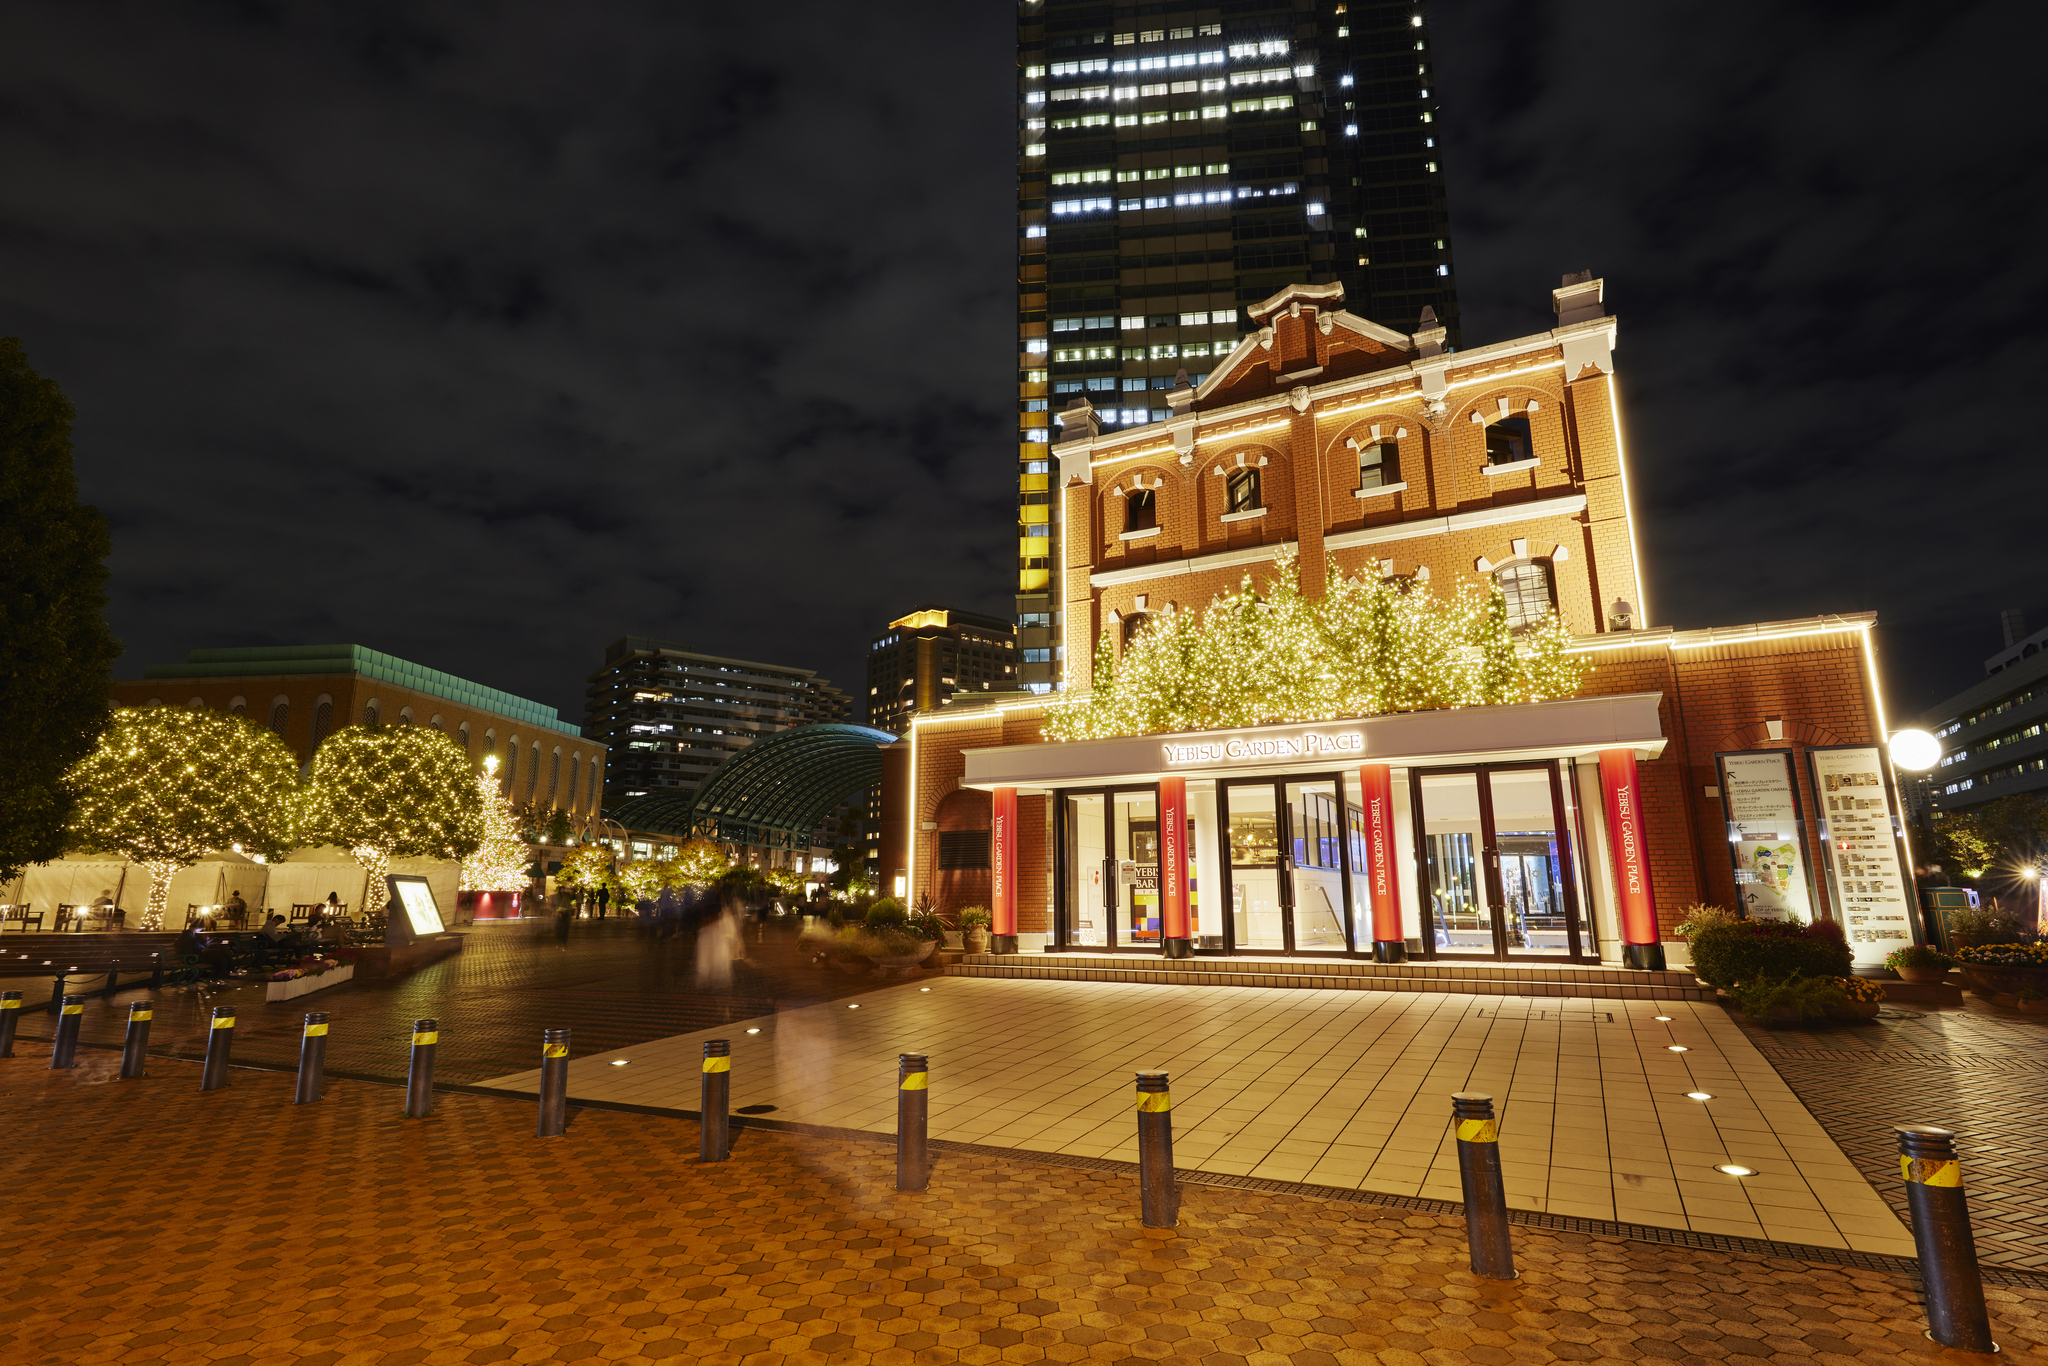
[[1179, 161], [928, 656], [671, 715]]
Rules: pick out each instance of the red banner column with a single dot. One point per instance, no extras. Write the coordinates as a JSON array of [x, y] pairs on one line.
[[1176, 939], [1625, 838], [1002, 860], [1376, 796]]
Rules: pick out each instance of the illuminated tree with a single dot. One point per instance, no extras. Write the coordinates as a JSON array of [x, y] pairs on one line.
[[1368, 646], [395, 791], [699, 863], [500, 859], [55, 651], [166, 786], [589, 868]]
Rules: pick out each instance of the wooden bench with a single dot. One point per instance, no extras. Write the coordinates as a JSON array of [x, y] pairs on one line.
[[21, 915]]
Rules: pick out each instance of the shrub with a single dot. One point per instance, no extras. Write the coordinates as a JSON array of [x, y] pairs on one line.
[[926, 925], [1747, 950], [1991, 922], [1810, 998], [1699, 916], [2026, 994], [1918, 956], [975, 916], [888, 913]]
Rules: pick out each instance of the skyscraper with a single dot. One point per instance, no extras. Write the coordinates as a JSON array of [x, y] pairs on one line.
[[929, 656], [1177, 162]]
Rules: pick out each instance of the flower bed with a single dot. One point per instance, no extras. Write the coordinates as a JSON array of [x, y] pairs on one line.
[[2004, 969], [1798, 1002], [312, 974]]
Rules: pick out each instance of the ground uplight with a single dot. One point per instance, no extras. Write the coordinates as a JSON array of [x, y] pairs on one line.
[[753, 1031], [620, 1062], [1665, 1018], [1735, 1169], [1676, 1048], [1699, 1095]]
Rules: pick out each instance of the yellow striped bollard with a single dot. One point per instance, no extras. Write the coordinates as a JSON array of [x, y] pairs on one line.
[[554, 1083], [714, 1139], [64, 1052], [220, 1040], [1486, 1196], [10, 1016], [1158, 1195], [913, 1115], [1941, 1235], [312, 1059], [135, 1047], [419, 1076]]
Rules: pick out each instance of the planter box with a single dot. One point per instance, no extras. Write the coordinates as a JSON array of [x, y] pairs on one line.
[[302, 986], [1996, 981]]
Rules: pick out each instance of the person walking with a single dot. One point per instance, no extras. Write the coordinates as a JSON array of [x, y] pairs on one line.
[[563, 913]]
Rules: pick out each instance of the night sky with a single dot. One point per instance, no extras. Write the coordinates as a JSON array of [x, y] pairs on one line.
[[483, 335]]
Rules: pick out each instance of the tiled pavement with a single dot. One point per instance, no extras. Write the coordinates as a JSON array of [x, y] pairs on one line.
[[511, 981], [1331, 1088], [341, 1234], [1982, 1071]]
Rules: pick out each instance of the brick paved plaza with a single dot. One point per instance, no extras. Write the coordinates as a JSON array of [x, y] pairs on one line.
[[158, 1224], [169, 1225]]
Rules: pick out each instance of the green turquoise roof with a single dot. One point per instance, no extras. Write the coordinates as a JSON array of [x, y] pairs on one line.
[[269, 660]]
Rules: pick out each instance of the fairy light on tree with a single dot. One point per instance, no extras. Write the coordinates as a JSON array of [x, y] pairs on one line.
[[168, 785], [699, 863], [1365, 648], [500, 859], [385, 792]]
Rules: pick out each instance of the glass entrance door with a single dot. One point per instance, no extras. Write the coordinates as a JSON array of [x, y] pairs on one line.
[[1287, 867], [1109, 855], [1496, 877]]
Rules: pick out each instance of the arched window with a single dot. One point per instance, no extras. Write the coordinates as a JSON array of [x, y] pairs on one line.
[[323, 718], [154, 702], [197, 704], [491, 741], [1141, 510], [1508, 440], [371, 711], [511, 763], [280, 712], [405, 716], [1527, 588], [1132, 625], [1379, 464], [435, 720], [462, 736], [239, 705], [533, 773], [575, 772], [554, 774], [1243, 486], [596, 782]]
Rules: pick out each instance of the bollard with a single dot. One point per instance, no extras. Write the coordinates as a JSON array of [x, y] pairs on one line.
[[1941, 1235], [220, 1039], [113, 977], [1486, 1198], [1158, 1196], [156, 974], [913, 1113], [554, 1083], [312, 1059], [57, 996], [66, 1047], [135, 1048], [714, 1139], [10, 1016], [419, 1078]]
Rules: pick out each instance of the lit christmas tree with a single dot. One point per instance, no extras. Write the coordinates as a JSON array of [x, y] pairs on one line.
[[500, 860], [1367, 647], [168, 785], [385, 791]]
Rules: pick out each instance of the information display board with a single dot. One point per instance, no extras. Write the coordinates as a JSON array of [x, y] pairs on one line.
[[1865, 873], [416, 899], [1766, 838]]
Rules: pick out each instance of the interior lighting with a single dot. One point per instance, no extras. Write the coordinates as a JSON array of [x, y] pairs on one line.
[[1915, 750], [1699, 1095], [1735, 1169]]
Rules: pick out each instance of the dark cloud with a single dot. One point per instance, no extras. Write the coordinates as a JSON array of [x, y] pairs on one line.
[[484, 334]]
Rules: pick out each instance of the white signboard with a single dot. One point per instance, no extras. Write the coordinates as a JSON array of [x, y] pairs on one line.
[[1870, 887], [416, 898], [1764, 836]]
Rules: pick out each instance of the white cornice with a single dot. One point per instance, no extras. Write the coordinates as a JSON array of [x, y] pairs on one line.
[[1568, 506]]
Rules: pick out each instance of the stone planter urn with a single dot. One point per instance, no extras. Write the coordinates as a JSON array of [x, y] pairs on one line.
[[1922, 976], [902, 964], [977, 938], [2003, 981]]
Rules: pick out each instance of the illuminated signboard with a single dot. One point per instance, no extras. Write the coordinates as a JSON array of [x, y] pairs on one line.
[[1282, 747], [416, 899]]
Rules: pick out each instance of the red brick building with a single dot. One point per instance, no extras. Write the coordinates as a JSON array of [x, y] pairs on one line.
[[1740, 766]]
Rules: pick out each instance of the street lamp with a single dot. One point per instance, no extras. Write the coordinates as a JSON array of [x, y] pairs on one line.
[[1915, 750]]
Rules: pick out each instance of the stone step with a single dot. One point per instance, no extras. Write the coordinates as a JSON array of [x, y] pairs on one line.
[[1478, 979]]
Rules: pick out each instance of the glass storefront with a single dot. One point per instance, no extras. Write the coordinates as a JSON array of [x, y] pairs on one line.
[[1493, 850]]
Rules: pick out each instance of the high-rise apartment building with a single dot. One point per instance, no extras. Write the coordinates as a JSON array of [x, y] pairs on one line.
[[1178, 161], [671, 715], [929, 655]]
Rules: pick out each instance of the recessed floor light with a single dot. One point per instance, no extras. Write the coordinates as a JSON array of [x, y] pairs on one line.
[[1699, 1095], [1665, 1018], [620, 1062], [1735, 1169], [853, 1007], [753, 1031], [924, 988], [1676, 1048]]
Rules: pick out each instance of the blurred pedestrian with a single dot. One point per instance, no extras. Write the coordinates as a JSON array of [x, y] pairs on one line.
[[564, 912]]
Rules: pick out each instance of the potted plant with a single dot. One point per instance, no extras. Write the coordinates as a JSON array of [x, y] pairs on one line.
[[1919, 963], [1807, 1002], [892, 939], [2004, 969], [974, 925], [2031, 1001], [1972, 926]]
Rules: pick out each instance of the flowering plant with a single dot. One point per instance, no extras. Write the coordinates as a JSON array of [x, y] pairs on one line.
[[1860, 989], [1917, 956], [286, 975], [2033, 955]]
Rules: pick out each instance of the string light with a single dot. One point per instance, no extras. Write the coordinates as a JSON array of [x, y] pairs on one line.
[[1367, 647], [168, 785], [394, 791], [499, 862]]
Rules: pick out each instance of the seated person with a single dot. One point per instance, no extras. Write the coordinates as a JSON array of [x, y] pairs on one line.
[[274, 929], [236, 909], [192, 944]]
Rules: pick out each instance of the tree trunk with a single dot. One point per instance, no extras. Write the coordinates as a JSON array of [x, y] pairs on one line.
[[161, 871], [376, 863]]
